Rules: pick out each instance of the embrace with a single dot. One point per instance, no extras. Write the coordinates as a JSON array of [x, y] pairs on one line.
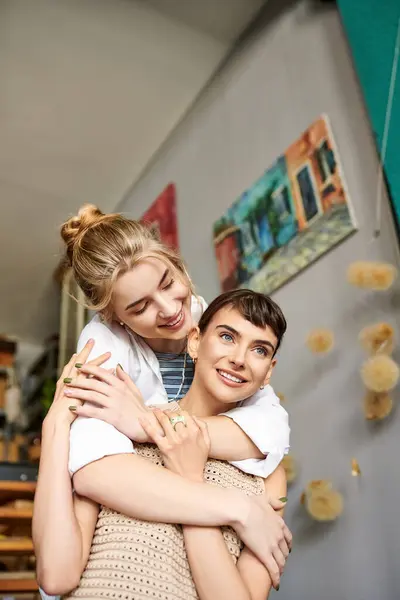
[[159, 474]]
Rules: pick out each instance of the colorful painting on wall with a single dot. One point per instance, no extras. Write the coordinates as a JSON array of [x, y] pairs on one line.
[[297, 211], [162, 217]]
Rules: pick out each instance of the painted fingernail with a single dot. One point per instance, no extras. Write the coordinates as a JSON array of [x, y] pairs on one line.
[[72, 408], [290, 550], [67, 380], [277, 587], [283, 499], [79, 365], [120, 366]]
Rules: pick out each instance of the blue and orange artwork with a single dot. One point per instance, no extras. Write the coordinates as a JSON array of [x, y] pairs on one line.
[[292, 215]]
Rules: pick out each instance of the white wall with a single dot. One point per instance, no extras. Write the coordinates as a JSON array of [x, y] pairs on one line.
[[295, 67]]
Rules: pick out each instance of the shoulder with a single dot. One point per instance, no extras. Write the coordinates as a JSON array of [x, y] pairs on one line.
[[99, 331], [198, 306], [108, 337]]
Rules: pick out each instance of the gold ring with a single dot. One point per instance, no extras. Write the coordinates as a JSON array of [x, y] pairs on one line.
[[178, 419]]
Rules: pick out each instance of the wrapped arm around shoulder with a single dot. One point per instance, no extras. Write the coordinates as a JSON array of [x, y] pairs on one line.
[[266, 424]]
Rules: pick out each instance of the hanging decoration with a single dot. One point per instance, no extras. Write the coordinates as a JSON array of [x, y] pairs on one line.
[[377, 406], [322, 501], [289, 465], [297, 211], [380, 373], [378, 338], [320, 341], [355, 468], [161, 217], [370, 275]]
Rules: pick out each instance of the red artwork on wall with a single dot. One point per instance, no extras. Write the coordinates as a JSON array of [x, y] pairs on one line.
[[162, 216]]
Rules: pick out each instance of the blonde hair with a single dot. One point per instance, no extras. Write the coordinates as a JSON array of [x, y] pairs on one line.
[[101, 247]]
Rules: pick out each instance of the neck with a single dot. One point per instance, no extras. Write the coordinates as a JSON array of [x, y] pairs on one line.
[[200, 403], [168, 346]]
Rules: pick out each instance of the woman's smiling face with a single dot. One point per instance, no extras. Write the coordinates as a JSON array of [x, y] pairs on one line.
[[234, 357], [153, 300]]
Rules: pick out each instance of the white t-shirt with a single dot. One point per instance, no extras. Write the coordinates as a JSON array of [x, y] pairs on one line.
[[261, 417]]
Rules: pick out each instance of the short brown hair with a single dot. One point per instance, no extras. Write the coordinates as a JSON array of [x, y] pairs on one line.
[[257, 308]]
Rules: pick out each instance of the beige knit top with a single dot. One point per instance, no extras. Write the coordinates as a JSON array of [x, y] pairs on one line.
[[132, 559]]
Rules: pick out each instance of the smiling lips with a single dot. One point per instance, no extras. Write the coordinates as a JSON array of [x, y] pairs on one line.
[[176, 322], [230, 379]]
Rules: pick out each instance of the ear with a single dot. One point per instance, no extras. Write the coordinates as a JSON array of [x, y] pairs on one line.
[[193, 342], [269, 372]]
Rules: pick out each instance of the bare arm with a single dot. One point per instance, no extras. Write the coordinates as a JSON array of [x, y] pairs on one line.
[[229, 441], [63, 523], [134, 486], [214, 573], [116, 400]]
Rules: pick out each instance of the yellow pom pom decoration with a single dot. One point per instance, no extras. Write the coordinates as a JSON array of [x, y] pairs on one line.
[[289, 465], [320, 341], [380, 373], [377, 406], [378, 338], [322, 502], [355, 468], [325, 506], [371, 275]]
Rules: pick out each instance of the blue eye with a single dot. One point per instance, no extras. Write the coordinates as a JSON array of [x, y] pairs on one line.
[[261, 351], [226, 337]]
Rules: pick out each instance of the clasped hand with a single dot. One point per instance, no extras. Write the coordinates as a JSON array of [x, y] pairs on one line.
[[112, 398]]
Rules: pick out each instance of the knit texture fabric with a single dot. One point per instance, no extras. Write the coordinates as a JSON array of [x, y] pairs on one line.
[[132, 559]]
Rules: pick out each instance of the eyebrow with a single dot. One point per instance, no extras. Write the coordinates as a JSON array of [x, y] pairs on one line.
[[163, 278], [232, 330]]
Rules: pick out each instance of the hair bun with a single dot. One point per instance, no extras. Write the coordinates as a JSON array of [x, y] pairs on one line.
[[75, 227]]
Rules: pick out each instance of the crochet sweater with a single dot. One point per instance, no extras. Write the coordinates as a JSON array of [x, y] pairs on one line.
[[132, 559]]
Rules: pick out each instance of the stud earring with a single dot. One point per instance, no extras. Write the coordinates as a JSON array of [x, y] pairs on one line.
[[195, 360], [121, 323], [262, 387]]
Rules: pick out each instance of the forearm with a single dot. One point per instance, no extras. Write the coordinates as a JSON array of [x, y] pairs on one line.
[[55, 529], [138, 488], [229, 441], [214, 572]]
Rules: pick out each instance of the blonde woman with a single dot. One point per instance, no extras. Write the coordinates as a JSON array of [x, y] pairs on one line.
[[145, 308]]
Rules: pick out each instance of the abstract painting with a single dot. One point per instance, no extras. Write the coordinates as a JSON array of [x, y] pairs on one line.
[[296, 212], [161, 216]]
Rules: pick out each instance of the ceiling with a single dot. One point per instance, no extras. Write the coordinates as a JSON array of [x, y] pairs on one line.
[[89, 91]]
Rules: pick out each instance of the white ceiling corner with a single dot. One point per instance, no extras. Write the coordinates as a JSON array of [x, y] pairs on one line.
[[88, 91]]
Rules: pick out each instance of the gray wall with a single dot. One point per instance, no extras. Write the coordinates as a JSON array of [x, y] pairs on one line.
[[293, 68]]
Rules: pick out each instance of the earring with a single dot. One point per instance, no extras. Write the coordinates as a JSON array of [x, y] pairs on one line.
[[195, 360], [262, 387], [121, 323]]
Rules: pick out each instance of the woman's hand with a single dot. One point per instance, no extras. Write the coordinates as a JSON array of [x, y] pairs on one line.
[[185, 447], [59, 409], [114, 399]]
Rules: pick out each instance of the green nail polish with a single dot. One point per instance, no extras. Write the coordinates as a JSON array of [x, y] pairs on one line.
[[120, 366], [277, 588], [72, 408], [283, 499], [79, 365], [67, 380]]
